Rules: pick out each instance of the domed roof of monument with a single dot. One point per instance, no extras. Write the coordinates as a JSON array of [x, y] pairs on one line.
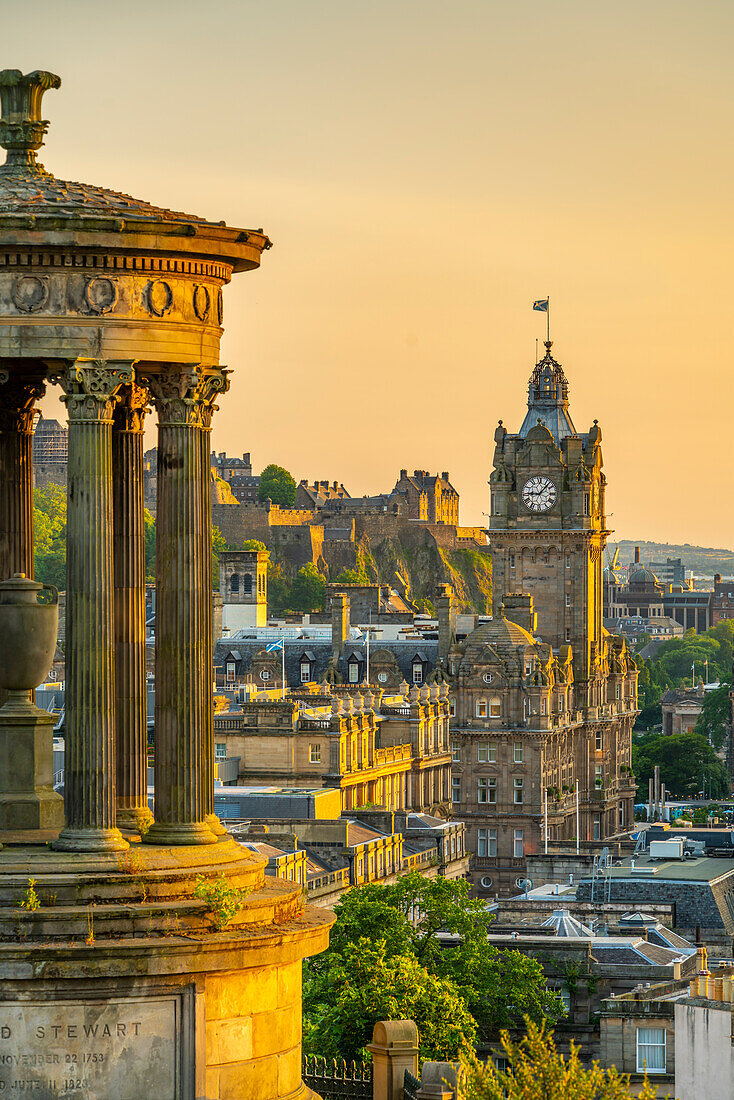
[[28, 190], [502, 634]]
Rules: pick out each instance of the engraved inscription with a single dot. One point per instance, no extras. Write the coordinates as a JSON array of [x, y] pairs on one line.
[[124, 1049]]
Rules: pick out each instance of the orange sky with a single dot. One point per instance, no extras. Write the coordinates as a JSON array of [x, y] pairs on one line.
[[425, 170]]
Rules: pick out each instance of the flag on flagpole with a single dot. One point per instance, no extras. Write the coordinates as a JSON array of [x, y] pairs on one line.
[[274, 646], [541, 305]]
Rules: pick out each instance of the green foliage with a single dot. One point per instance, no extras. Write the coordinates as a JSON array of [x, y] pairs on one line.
[[30, 899], [352, 576], [715, 718], [253, 544], [49, 520], [278, 485], [363, 985], [219, 543], [279, 588], [684, 759], [536, 1071], [494, 988], [672, 664], [223, 900], [149, 535], [308, 589]]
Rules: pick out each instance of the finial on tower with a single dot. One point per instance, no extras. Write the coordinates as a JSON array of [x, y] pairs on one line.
[[22, 129]]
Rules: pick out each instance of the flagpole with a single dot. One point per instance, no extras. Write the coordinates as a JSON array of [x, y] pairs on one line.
[[282, 651], [547, 319]]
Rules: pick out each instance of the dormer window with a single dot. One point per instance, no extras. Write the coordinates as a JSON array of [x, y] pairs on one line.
[[353, 670], [305, 671], [231, 671]]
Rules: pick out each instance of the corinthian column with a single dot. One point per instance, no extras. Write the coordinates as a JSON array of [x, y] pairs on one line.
[[183, 678], [131, 715], [216, 383], [18, 395], [91, 388]]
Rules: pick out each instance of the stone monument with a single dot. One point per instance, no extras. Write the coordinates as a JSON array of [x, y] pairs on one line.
[[121, 978]]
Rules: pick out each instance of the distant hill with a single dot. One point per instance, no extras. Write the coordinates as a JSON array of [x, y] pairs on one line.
[[701, 559]]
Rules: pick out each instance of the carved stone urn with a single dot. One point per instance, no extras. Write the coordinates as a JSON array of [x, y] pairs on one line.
[[27, 636]]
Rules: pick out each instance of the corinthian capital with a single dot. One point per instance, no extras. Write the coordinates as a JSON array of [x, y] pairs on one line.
[[133, 404], [18, 395], [91, 388], [185, 396]]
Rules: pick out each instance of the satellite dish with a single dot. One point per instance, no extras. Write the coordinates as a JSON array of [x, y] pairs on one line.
[[525, 884]]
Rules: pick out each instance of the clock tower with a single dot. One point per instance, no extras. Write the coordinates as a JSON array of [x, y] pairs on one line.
[[548, 527]]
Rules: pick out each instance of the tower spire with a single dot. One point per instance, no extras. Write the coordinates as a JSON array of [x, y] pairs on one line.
[[548, 398]]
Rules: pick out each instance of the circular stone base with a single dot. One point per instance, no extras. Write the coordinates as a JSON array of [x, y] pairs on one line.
[[185, 834], [215, 825], [136, 820], [90, 840], [119, 978]]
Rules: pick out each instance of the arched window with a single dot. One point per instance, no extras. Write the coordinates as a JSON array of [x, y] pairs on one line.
[[495, 707], [234, 582], [248, 584]]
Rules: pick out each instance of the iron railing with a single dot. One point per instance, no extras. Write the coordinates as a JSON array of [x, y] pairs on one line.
[[336, 1079], [411, 1085]]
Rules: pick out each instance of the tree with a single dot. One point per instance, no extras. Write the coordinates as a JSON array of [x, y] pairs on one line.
[[363, 985], [715, 717], [253, 544], [279, 588], [219, 543], [49, 520], [496, 988], [536, 1071], [278, 485], [149, 529], [309, 588], [684, 759]]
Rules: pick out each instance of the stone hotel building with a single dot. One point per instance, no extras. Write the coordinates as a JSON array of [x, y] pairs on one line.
[[543, 698]]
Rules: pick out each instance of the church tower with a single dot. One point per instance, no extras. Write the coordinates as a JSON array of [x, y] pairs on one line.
[[548, 524]]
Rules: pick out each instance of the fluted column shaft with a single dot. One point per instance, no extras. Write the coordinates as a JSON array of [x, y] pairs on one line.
[[91, 388], [131, 737], [217, 383], [18, 394], [183, 677]]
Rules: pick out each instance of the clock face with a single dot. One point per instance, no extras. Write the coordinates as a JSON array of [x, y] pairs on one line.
[[539, 494]]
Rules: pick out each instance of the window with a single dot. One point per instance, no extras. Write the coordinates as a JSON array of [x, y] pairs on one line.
[[565, 996], [568, 561], [599, 774], [518, 846], [456, 752], [314, 753], [305, 671], [452, 708], [619, 691], [597, 827], [568, 599], [248, 584], [487, 677], [487, 843], [234, 582], [518, 784], [231, 670], [568, 633], [512, 561], [455, 788], [354, 672], [417, 672], [481, 708], [487, 790], [486, 753], [542, 705], [598, 740], [220, 750], [382, 677], [264, 675], [495, 707], [651, 1049], [517, 752], [486, 882], [587, 510]]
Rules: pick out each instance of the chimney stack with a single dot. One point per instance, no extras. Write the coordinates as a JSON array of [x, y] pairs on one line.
[[339, 623], [446, 612], [637, 555]]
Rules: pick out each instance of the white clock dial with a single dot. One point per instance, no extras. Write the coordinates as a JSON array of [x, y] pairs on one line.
[[539, 494]]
